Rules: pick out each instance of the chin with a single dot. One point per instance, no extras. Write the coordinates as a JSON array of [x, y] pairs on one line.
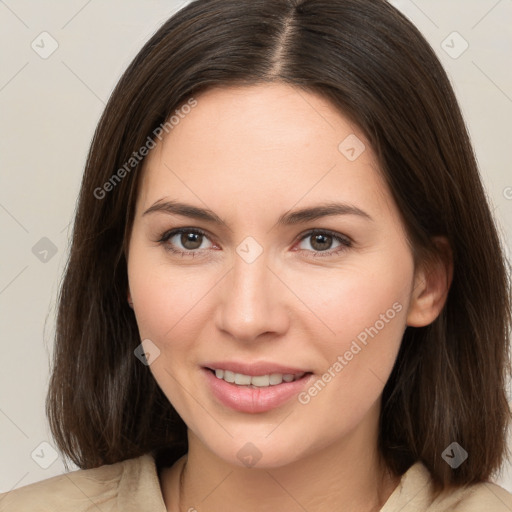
[[262, 451]]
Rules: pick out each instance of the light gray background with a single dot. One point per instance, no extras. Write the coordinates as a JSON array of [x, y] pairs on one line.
[[49, 109]]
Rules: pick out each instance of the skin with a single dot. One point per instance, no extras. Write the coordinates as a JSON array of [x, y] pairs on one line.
[[251, 154]]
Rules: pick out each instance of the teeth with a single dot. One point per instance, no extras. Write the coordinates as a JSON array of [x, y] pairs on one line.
[[243, 380], [229, 376], [260, 381], [275, 378]]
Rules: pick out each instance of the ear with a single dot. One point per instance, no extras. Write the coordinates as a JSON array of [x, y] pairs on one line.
[[431, 286], [129, 297]]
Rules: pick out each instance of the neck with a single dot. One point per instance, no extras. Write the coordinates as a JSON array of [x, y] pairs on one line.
[[347, 476]]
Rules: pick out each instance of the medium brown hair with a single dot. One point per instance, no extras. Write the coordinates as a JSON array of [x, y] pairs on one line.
[[448, 382]]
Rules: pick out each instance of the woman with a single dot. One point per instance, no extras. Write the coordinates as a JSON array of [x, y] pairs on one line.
[[285, 288]]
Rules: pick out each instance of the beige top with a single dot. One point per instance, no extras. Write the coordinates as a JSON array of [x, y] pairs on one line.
[[133, 486]]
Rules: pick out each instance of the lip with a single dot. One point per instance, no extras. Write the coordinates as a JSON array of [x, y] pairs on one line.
[[255, 368], [254, 399]]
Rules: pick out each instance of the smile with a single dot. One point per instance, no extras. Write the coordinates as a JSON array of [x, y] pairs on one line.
[[254, 393], [260, 381]]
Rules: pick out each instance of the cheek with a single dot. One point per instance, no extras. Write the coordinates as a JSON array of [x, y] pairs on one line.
[[166, 302], [351, 301], [167, 305], [169, 300], [361, 313]]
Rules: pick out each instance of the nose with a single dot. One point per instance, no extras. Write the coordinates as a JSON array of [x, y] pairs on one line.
[[252, 301]]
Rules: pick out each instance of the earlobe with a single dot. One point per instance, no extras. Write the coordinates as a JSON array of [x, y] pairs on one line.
[[129, 298], [432, 284]]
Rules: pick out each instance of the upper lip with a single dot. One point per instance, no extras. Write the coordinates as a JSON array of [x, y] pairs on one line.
[[255, 368]]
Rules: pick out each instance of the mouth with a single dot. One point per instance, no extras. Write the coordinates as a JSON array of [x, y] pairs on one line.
[[255, 381], [248, 393]]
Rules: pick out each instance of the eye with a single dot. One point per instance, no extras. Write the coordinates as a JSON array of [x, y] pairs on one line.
[[321, 242], [191, 239]]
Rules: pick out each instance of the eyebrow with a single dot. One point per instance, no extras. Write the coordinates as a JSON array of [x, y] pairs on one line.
[[287, 219]]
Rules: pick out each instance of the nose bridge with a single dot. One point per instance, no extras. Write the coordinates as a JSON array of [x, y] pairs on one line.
[[251, 299]]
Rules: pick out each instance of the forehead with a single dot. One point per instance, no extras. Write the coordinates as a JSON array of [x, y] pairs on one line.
[[269, 117], [263, 143]]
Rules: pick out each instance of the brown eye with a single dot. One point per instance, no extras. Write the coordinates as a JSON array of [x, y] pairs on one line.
[[184, 241], [321, 243], [191, 240]]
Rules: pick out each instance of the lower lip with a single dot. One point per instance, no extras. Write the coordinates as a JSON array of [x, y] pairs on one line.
[[254, 399]]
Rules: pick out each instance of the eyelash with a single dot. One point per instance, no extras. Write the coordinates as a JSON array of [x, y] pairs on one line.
[[345, 242]]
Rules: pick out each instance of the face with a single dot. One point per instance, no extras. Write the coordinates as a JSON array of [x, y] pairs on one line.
[[258, 291]]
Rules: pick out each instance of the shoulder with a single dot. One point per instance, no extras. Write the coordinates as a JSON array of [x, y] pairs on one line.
[[106, 488], [414, 493], [475, 498]]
